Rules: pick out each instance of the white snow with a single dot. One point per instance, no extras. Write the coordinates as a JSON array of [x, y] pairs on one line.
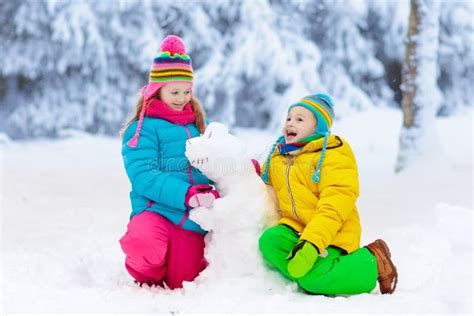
[[65, 205], [244, 210]]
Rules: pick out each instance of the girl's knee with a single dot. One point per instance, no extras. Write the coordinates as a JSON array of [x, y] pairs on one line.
[[146, 240], [142, 250]]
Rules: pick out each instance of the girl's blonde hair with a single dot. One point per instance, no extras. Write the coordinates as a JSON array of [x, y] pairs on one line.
[[196, 106]]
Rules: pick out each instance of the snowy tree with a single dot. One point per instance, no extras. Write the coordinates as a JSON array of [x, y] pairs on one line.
[[387, 29], [341, 31], [78, 64], [257, 69], [420, 91], [75, 64], [456, 56]]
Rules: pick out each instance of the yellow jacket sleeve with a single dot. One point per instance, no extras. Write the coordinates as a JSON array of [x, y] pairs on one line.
[[338, 191]]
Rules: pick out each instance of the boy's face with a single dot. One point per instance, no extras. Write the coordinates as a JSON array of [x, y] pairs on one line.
[[176, 95], [300, 123]]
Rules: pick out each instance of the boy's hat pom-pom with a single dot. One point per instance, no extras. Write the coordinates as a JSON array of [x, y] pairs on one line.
[[174, 45], [326, 98]]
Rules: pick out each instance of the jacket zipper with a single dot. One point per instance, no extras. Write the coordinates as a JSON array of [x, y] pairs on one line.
[[288, 167], [191, 181], [190, 168]]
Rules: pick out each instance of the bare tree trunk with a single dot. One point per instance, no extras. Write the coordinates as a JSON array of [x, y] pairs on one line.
[[420, 92], [409, 68]]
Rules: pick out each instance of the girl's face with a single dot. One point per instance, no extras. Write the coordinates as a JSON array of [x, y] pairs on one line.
[[300, 123], [176, 95]]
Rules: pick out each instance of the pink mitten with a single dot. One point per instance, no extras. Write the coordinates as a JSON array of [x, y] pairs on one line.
[[256, 165], [200, 195]]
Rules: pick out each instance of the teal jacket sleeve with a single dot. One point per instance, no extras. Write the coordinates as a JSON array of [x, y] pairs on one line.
[[142, 167]]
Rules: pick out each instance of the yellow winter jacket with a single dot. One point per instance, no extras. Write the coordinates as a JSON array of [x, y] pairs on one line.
[[325, 213]]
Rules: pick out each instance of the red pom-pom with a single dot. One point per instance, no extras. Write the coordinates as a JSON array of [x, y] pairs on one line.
[[173, 44]]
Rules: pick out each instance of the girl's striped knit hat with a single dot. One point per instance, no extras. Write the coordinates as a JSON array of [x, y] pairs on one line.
[[170, 65]]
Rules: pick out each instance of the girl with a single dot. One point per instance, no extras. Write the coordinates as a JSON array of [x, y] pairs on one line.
[[162, 245], [314, 175]]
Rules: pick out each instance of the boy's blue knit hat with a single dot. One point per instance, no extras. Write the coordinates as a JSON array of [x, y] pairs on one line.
[[322, 107]]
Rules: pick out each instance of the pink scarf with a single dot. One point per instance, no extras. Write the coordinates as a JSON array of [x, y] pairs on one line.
[[159, 109]]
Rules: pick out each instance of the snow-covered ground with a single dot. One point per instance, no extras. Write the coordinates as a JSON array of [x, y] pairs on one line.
[[65, 204]]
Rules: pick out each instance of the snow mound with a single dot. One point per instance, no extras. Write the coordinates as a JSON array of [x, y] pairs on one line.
[[4, 139]]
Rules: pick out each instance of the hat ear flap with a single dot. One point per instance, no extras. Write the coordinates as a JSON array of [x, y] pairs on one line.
[[264, 175], [317, 173]]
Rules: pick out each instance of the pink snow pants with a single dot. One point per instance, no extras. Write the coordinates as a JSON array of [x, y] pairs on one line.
[[158, 251]]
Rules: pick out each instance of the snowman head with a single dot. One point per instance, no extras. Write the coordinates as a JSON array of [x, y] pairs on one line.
[[217, 154]]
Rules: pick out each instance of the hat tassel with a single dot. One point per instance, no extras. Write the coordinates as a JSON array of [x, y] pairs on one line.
[[317, 174], [264, 175], [134, 141]]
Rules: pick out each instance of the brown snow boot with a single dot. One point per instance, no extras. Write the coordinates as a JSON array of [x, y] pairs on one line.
[[387, 272]]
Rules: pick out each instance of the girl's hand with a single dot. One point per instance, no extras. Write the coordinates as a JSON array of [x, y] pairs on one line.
[[257, 167], [201, 195]]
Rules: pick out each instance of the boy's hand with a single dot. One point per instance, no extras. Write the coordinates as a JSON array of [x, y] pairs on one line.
[[301, 259]]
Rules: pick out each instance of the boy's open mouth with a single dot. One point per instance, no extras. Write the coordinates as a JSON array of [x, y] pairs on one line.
[[291, 135]]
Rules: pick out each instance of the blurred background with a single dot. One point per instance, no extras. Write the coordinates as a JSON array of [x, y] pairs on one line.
[[70, 72], [78, 65]]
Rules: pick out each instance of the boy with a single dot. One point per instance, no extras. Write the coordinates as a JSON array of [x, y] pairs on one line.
[[317, 241]]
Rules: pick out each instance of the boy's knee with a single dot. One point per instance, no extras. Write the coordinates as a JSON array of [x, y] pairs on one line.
[[311, 285], [323, 279], [277, 232], [267, 238], [271, 239], [320, 280]]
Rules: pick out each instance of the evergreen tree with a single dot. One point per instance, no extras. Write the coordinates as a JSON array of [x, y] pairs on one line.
[[80, 64]]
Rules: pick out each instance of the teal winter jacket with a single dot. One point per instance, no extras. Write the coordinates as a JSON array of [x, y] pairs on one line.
[[159, 172]]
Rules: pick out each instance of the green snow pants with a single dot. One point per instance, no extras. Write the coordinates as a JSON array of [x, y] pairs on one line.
[[334, 274]]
